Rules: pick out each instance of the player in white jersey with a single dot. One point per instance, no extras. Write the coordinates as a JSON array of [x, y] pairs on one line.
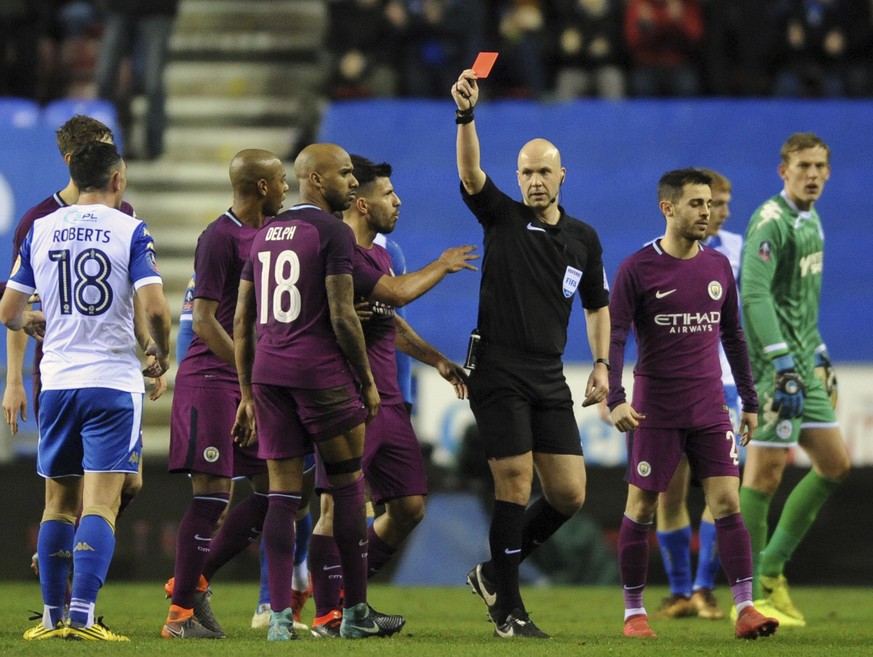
[[694, 597], [87, 260]]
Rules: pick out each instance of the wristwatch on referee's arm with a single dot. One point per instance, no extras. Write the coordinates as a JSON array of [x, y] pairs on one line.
[[605, 361]]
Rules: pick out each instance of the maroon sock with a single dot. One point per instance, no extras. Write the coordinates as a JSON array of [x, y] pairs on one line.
[[633, 560], [193, 542], [350, 533], [243, 525], [326, 572], [378, 552], [735, 552], [279, 545]]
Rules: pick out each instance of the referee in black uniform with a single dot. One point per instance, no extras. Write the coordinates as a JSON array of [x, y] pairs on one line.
[[537, 260]]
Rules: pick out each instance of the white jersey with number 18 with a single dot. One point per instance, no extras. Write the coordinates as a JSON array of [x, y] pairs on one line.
[[86, 261]]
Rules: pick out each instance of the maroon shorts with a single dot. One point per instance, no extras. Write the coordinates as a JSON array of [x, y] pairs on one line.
[[200, 438], [290, 420], [392, 463], [654, 453]]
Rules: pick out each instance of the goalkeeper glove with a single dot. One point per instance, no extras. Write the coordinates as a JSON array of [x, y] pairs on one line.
[[789, 392], [824, 370]]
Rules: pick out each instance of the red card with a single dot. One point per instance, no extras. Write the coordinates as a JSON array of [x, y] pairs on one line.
[[483, 64]]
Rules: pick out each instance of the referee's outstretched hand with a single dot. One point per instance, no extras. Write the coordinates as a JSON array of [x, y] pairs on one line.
[[597, 387]]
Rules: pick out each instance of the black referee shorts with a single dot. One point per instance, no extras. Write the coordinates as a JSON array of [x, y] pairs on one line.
[[522, 403]]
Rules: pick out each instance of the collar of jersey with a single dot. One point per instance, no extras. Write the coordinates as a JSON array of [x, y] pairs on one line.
[[230, 215], [802, 215], [303, 206]]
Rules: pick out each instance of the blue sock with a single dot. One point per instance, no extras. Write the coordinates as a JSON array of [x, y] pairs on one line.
[[676, 553], [92, 554], [303, 527], [707, 563], [264, 593], [54, 547]]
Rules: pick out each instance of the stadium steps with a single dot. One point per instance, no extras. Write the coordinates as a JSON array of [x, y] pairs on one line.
[[241, 75], [254, 30]]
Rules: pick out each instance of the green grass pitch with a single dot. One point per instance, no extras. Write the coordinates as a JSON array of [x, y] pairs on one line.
[[444, 622]]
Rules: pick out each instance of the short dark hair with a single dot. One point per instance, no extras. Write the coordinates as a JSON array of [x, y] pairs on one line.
[[78, 131], [366, 171], [801, 141], [93, 164], [671, 184]]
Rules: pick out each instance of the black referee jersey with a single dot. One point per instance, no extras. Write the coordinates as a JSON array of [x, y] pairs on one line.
[[531, 272]]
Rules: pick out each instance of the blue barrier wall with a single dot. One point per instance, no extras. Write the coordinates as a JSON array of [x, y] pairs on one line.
[[614, 154], [31, 168]]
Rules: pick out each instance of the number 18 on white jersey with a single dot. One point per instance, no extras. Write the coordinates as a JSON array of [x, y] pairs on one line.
[[86, 261]]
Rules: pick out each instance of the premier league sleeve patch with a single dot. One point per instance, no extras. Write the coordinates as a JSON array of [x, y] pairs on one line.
[[571, 281]]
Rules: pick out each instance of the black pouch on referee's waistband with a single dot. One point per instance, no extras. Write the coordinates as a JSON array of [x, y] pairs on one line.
[[473, 350]]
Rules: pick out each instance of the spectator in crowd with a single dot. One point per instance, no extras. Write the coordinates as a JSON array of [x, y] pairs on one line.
[[817, 37], [664, 38], [439, 37], [141, 28], [859, 54], [22, 24], [590, 59], [738, 51], [521, 37], [361, 41]]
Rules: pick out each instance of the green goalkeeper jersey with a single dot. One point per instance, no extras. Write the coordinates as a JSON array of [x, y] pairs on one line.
[[780, 277]]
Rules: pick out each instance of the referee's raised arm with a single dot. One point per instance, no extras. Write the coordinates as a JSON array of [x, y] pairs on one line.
[[466, 94]]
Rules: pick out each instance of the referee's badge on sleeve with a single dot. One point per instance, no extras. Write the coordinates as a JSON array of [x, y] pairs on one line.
[[571, 281]]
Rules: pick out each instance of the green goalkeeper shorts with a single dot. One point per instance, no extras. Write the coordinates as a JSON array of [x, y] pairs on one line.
[[775, 431]]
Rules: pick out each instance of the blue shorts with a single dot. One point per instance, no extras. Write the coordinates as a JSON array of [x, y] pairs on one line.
[[89, 430]]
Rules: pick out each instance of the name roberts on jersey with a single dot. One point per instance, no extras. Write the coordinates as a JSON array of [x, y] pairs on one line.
[[82, 235]]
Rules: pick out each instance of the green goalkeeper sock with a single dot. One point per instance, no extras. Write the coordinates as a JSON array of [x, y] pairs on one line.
[[801, 509], [755, 507]]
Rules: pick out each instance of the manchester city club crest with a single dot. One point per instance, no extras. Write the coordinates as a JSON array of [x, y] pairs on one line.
[[644, 468], [211, 454], [715, 290]]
